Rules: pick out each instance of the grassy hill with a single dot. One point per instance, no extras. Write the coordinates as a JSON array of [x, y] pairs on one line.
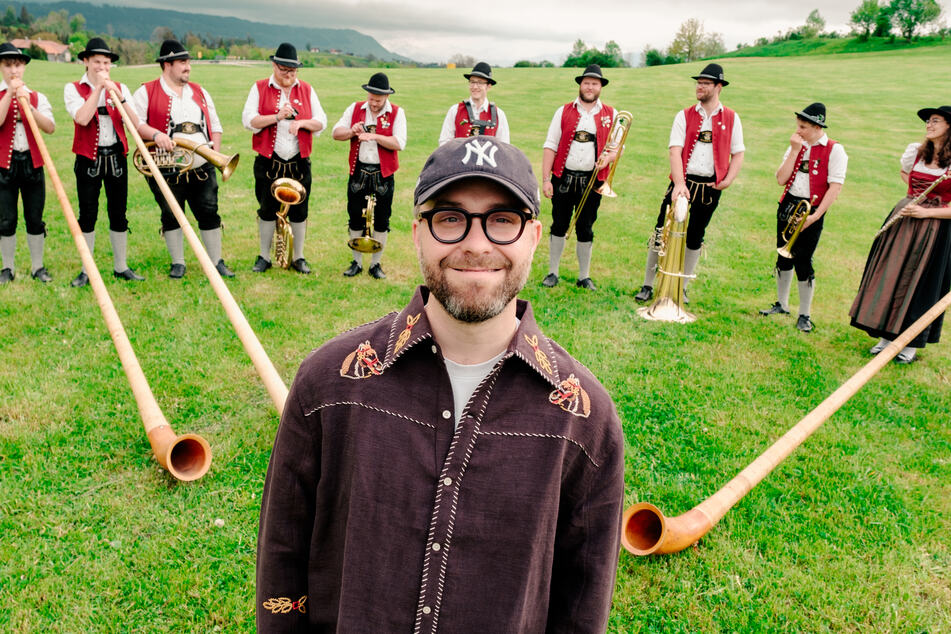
[[836, 45], [851, 533]]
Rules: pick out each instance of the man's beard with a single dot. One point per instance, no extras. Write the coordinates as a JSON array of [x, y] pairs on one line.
[[585, 99], [467, 304]]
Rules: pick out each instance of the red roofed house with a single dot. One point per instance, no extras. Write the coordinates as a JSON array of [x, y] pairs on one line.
[[55, 52]]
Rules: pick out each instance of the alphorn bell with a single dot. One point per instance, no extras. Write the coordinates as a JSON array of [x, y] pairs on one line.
[[645, 530], [262, 363], [186, 457]]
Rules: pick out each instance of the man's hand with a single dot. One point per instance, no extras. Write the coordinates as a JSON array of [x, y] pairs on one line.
[[548, 189], [164, 142], [678, 191], [286, 112], [357, 128], [796, 142], [295, 127]]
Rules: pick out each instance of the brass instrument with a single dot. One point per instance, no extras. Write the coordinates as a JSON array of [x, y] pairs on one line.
[[794, 225], [367, 243], [182, 158], [288, 192], [186, 457], [668, 304], [616, 137], [917, 200]]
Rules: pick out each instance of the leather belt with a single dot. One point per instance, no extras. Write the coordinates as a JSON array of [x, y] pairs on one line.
[[102, 110], [584, 137], [706, 136], [187, 127]]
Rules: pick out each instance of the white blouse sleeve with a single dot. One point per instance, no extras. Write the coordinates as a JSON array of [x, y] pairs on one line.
[[908, 158]]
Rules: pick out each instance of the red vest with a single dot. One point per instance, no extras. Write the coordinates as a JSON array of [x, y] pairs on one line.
[[389, 162], [918, 182], [8, 128], [570, 117], [818, 172], [464, 127], [268, 99], [159, 114], [722, 134], [86, 137]]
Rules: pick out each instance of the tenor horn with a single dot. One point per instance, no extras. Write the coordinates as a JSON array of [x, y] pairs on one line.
[[288, 192], [668, 304], [645, 530], [182, 157], [186, 457], [625, 126], [366, 243], [262, 363], [797, 219]]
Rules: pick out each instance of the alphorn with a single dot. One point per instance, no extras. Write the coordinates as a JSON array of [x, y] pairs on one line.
[[645, 530], [186, 457], [262, 363]]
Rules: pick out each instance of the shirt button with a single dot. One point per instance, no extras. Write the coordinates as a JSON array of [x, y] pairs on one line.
[[436, 547], [434, 349], [446, 414], [427, 609], [447, 481]]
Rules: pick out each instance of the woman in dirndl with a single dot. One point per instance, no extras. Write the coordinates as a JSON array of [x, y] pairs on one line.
[[909, 266]]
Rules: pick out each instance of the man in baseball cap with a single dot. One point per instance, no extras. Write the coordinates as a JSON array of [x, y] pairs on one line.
[[448, 441]]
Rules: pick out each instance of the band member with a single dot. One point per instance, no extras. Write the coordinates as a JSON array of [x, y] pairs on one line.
[[284, 115], [447, 465], [574, 152], [909, 266], [376, 129], [100, 146], [21, 165], [706, 154], [171, 107], [812, 173], [476, 115]]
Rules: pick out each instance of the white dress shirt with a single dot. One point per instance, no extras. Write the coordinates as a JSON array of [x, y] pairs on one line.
[[286, 145], [908, 162], [107, 132], [838, 164], [448, 131], [184, 109], [701, 159], [20, 142], [369, 152], [581, 156]]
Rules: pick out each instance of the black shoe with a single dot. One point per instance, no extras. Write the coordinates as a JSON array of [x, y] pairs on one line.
[[261, 265], [81, 280], [223, 269], [645, 294], [376, 271], [586, 283], [353, 269], [128, 275], [42, 275], [804, 324], [6, 276], [550, 280], [176, 271], [775, 309], [300, 265]]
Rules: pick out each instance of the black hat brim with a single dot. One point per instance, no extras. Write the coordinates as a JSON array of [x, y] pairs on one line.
[[20, 56], [722, 82], [810, 119], [88, 53], [925, 113], [174, 56], [378, 91], [604, 82], [283, 61], [480, 75]]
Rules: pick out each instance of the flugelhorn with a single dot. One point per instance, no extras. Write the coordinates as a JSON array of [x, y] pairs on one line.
[[616, 137], [917, 200], [797, 219], [182, 157], [262, 363], [186, 457], [645, 530], [288, 192], [668, 304], [367, 243]]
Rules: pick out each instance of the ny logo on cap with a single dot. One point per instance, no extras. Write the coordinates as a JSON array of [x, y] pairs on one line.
[[484, 152]]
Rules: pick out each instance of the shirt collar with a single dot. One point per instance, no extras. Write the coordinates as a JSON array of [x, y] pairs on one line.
[[273, 83], [386, 107], [186, 89], [823, 140], [703, 113], [410, 327], [85, 79], [594, 111], [483, 108]]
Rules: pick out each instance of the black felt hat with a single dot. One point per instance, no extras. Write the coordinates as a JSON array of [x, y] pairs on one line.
[[172, 50], [945, 111], [8, 51], [714, 72], [286, 55], [593, 70], [379, 84], [814, 113], [97, 46], [482, 70]]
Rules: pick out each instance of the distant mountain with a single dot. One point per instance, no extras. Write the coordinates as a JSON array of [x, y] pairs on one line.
[[138, 24]]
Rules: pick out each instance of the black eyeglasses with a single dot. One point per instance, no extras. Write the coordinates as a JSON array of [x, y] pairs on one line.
[[501, 226]]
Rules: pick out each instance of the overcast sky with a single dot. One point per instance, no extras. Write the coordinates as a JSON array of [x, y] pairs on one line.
[[504, 31]]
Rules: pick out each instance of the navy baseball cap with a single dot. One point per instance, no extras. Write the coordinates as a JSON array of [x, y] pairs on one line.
[[481, 157]]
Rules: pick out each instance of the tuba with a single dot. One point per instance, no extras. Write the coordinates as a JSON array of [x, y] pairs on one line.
[[668, 305], [288, 192], [367, 243], [182, 157], [794, 227]]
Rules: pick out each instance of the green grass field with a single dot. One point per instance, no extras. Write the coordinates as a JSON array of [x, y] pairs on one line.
[[851, 533]]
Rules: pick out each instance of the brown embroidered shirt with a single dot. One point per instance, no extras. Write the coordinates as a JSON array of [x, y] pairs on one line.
[[378, 517]]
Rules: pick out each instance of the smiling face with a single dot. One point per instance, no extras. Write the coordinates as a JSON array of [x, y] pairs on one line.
[[936, 128], [96, 63], [475, 279], [478, 89]]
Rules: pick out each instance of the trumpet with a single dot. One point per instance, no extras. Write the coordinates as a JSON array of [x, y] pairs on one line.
[[616, 137], [288, 192], [917, 200], [367, 243], [797, 218], [182, 157]]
